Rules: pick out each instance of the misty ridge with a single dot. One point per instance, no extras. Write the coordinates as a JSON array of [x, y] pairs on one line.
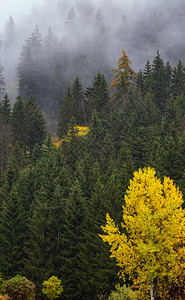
[[61, 40]]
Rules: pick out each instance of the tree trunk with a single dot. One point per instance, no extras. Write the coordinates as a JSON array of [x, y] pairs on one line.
[[152, 290]]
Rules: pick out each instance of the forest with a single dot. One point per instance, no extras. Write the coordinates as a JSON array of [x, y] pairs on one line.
[[72, 152]]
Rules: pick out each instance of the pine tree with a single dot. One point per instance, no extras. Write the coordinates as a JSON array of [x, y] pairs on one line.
[[178, 80], [125, 77], [9, 39], [12, 235], [159, 83], [71, 238], [2, 82], [19, 123], [38, 264], [147, 77], [35, 125], [5, 109], [78, 102], [66, 114], [5, 133], [97, 272], [58, 86], [31, 75], [99, 92]]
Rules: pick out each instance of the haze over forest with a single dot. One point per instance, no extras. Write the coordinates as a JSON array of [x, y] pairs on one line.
[[79, 143], [94, 32]]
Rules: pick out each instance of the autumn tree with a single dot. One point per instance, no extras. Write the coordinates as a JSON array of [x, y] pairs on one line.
[[18, 288], [124, 78], [150, 246], [52, 288]]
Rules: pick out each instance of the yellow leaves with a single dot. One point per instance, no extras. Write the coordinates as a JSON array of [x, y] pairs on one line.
[[78, 131], [124, 73], [152, 242], [52, 287]]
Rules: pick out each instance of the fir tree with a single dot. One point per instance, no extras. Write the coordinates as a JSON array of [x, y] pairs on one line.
[[2, 82], [12, 235], [35, 125]]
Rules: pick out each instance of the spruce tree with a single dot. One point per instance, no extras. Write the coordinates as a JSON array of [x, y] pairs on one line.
[[78, 102], [2, 82], [178, 80], [66, 114], [12, 235], [100, 92], [38, 264], [159, 83], [35, 125], [19, 123], [71, 238]]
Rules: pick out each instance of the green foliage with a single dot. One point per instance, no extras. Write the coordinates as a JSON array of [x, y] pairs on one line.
[[52, 288], [122, 293], [53, 197], [19, 288]]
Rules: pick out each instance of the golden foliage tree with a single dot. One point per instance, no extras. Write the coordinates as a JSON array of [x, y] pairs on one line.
[[150, 246], [52, 288], [125, 76]]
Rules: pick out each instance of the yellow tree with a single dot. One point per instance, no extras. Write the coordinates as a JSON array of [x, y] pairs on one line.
[[150, 247], [52, 288], [125, 76]]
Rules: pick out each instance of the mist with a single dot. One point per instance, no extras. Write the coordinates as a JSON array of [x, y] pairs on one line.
[[92, 33]]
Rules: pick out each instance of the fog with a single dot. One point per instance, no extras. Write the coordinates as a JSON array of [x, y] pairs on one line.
[[98, 30]]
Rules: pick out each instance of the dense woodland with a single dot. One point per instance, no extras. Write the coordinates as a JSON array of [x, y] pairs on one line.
[[56, 185]]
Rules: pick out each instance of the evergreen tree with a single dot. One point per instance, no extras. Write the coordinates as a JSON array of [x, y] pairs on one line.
[[38, 264], [97, 271], [12, 235], [147, 77], [99, 93], [78, 102], [71, 239], [159, 83], [5, 133], [19, 123], [66, 114], [35, 129], [178, 80], [58, 86], [2, 82], [31, 75], [9, 39], [5, 109]]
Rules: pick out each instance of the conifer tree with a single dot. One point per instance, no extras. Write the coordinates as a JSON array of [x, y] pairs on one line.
[[97, 271], [66, 114], [19, 123], [5, 133], [57, 88], [35, 125], [2, 82], [38, 264], [147, 77], [178, 80], [77, 102], [159, 83], [12, 235], [71, 238], [100, 92], [125, 77], [30, 72]]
